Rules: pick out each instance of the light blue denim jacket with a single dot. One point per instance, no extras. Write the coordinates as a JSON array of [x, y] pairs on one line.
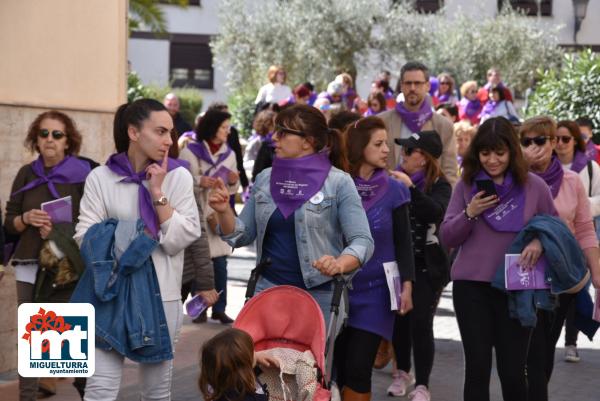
[[336, 226]]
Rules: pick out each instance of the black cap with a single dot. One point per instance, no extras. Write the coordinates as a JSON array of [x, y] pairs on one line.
[[429, 141]]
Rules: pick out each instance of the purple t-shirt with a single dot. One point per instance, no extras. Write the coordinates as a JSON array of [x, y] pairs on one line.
[[481, 249]]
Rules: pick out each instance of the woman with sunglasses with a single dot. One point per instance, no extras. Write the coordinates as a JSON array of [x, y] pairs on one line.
[[445, 92], [304, 212], [371, 318], [56, 173], [469, 106], [482, 236], [210, 157], [571, 151], [429, 196], [538, 138]]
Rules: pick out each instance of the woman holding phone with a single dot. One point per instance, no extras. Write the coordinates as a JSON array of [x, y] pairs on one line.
[[304, 212], [472, 226]]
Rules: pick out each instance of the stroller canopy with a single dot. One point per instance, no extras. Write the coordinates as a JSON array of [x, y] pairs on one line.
[[285, 316]]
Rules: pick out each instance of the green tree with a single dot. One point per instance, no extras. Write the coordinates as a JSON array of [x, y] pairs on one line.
[[147, 13], [570, 92]]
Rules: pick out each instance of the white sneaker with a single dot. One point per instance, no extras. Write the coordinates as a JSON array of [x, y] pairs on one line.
[[420, 393], [400, 384], [571, 354]]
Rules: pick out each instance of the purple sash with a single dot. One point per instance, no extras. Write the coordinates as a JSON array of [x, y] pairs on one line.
[[590, 150], [553, 176], [119, 164], [294, 181], [509, 215], [70, 170], [580, 160], [471, 107], [415, 120], [374, 189], [201, 152]]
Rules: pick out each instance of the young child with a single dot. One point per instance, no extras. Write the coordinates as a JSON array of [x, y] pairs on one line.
[[227, 368]]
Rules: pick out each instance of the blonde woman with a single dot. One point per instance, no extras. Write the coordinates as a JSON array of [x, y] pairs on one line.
[[276, 90], [469, 106]]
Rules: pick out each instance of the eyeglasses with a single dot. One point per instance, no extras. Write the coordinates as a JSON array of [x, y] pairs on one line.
[[56, 134], [564, 138], [410, 151], [538, 140], [444, 83], [413, 83], [281, 131]]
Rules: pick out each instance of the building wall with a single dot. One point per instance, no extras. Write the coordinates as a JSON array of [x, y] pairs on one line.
[[154, 68], [69, 56]]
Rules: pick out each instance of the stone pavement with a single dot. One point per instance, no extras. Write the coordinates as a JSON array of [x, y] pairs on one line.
[[570, 382]]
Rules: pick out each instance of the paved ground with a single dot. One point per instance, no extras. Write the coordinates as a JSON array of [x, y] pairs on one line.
[[571, 382]]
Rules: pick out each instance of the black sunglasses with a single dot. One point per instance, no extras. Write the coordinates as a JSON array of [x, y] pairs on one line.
[[409, 151], [538, 140], [282, 131], [564, 138], [56, 134]]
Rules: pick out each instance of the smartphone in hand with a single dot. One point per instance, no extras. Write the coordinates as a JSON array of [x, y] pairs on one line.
[[486, 185]]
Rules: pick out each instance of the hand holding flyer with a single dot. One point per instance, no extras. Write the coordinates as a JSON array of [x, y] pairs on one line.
[[394, 283], [518, 278], [60, 210]]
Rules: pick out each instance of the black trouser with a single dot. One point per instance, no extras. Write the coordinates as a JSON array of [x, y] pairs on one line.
[[414, 331], [484, 323], [540, 361], [354, 356], [571, 332]]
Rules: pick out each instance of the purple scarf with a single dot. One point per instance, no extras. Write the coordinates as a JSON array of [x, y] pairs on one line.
[[201, 152], [418, 178], [373, 189], [268, 139], [553, 176], [294, 181], [580, 160], [470, 107], [444, 98], [119, 164], [590, 150], [369, 113], [509, 214], [70, 170], [489, 108], [189, 134], [415, 120]]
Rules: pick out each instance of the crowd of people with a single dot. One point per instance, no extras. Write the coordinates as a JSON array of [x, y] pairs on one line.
[[425, 183]]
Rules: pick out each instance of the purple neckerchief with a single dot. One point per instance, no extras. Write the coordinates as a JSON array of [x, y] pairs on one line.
[[312, 98], [388, 94], [434, 85], [70, 170], [369, 113], [200, 150], [471, 107], [580, 160], [119, 164], [268, 139], [418, 178], [590, 150], [373, 189], [444, 97], [294, 181], [415, 120], [489, 108], [509, 214], [553, 176], [459, 160], [189, 134]]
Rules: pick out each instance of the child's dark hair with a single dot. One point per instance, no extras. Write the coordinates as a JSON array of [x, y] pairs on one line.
[[135, 114], [227, 366], [312, 123], [209, 124]]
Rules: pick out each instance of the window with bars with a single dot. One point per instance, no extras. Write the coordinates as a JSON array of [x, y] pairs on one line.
[[190, 62], [426, 6], [529, 7]]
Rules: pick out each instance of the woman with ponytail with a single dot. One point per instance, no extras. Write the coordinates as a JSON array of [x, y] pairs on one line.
[[371, 315], [304, 212], [140, 181]]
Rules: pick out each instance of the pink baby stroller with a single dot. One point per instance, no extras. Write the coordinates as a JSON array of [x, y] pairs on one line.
[[288, 320]]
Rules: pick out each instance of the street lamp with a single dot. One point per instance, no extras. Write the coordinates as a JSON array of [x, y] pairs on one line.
[[579, 10]]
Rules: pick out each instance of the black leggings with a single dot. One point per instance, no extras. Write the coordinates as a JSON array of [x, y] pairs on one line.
[[414, 331], [484, 323], [355, 352]]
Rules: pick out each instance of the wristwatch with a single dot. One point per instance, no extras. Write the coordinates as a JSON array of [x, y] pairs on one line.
[[162, 201]]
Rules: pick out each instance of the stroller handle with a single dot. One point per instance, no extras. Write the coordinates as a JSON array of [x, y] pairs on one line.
[[339, 283]]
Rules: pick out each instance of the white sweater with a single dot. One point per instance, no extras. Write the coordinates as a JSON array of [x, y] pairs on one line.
[[273, 93], [105, 197], [595, 182], [217, 246]]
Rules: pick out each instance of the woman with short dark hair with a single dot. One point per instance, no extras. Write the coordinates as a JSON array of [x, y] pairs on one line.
[[475, 225]]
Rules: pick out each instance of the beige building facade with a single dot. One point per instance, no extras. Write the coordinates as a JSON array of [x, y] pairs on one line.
[[68, 55]]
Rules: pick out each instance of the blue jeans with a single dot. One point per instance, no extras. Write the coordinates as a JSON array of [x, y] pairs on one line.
[[220, 266]]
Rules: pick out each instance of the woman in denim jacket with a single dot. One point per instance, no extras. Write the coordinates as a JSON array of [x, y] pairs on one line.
[[304, 212]]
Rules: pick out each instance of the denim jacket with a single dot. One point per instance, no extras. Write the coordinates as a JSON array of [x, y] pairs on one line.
[[336, 226], [567, 267], [125, 292]]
